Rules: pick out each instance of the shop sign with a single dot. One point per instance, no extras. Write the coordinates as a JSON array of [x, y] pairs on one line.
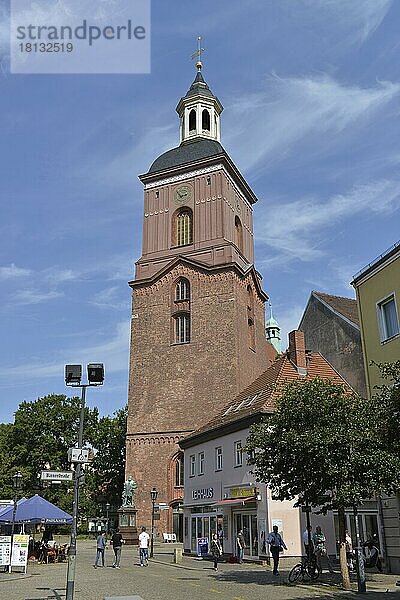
[[241, 492], [202, 546], [203, 494], [5, 550]]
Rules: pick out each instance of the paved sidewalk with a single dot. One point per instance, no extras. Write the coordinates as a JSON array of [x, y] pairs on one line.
[[163, 580]]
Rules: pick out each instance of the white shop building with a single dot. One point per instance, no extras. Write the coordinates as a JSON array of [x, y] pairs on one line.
[[220, 490]]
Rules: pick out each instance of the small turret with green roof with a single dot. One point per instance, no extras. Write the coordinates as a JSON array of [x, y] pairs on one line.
[[273, 331]]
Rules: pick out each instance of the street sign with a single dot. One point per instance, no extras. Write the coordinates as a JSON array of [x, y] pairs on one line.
[[57, 476], [306, 509], [78, 455], [162, 506], [156, 516]]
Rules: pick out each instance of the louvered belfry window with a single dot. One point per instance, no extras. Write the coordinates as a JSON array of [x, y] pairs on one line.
[[184, 228]]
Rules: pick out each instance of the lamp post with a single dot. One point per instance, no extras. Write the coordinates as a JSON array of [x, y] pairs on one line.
[[153, 496], [108, 506], [73, 374], [16, 483]]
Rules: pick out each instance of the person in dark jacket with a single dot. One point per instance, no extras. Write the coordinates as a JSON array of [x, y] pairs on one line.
[[216, 550]]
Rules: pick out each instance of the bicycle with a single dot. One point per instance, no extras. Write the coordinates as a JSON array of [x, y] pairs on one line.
[[307, 569]]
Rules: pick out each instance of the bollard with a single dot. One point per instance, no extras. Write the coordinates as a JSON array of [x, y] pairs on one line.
[[177, 555]]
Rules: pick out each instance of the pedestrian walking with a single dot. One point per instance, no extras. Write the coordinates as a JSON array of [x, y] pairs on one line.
[[144, 548], [216, 550], [116, 542], [349, 551], [319, 541], [101, 546], [241, 545], [277, 545]]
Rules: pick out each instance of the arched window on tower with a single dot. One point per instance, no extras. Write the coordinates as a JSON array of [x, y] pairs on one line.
[[179, 470], [182, 328], [183, 227], [238, 234], [182, 290], [192, 120], [250, 318], [180, 311], [205, 120]]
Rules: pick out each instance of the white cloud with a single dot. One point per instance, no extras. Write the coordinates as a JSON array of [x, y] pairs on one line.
[[13, 272], [59, 275], [114, 353], [357, 19], [31, 296], [265, 127], [110, 298], [294, 229]]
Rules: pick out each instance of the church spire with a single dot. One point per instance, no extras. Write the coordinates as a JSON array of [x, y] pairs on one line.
[[273, 331], [199, 110]]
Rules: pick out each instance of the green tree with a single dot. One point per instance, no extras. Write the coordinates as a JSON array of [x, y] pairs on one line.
[[40, 437], [6, 472], [324, 446], [107, 472]]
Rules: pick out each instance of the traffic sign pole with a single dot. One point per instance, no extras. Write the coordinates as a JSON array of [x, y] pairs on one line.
[[74, 529]]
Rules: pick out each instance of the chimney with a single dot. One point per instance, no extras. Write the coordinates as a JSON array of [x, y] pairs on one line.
[[297, 351]]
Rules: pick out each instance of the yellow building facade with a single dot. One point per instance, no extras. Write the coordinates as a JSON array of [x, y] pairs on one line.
[[378, 296]]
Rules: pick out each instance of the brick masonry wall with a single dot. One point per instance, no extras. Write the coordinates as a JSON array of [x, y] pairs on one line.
[[174, 389]]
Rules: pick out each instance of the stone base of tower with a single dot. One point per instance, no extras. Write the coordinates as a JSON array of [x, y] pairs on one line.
[[151, 460], [127, 525]]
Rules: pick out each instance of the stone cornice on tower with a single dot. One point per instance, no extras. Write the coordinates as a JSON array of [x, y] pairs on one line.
[[199, 266], [182, 160]]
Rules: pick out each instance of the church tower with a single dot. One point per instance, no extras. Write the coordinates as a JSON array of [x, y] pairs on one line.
[[198, 308]]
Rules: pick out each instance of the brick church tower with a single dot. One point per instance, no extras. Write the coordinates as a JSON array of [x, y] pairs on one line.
[[198, 308]]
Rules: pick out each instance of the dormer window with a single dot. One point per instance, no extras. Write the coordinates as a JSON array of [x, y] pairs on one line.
[[192, 120], [205, 120]]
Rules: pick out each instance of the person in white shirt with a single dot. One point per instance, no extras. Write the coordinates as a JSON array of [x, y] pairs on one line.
[[276, 544], [144, 548]]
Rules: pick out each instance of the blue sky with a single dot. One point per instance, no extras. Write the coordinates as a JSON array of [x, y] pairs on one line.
[[311, 93]]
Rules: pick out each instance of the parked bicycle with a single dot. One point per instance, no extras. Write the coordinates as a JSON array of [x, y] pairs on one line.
[[307, 570]]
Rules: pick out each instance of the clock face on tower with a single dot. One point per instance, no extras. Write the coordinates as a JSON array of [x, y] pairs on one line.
[[183, 194]]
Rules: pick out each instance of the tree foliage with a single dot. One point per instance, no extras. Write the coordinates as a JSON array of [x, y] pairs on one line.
[[329, 448], [40, 437], [107, 473], [325, 446]]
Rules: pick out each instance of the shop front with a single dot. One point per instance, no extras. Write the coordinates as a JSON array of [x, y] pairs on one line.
[[241, 512]]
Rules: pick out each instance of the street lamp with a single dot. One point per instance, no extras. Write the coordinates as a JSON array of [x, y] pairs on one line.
[[95, 376], [153, 496], [16, 483], [108, 506]]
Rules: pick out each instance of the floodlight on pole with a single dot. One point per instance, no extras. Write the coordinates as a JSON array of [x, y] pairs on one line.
[[73, 375]]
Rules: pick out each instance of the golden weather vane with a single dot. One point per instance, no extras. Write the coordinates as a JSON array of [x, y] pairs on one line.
[[198, 52]]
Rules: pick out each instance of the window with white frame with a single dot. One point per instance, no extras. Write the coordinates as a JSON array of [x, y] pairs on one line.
[[387, 318], [201, 463], [238, 451], [192, 462], [218, 458]]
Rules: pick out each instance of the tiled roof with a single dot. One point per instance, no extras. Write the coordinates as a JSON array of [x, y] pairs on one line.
[[186, 153], [345, 306], [261, 395]]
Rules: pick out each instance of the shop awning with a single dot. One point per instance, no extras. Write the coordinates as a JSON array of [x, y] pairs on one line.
[[233, 501]]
